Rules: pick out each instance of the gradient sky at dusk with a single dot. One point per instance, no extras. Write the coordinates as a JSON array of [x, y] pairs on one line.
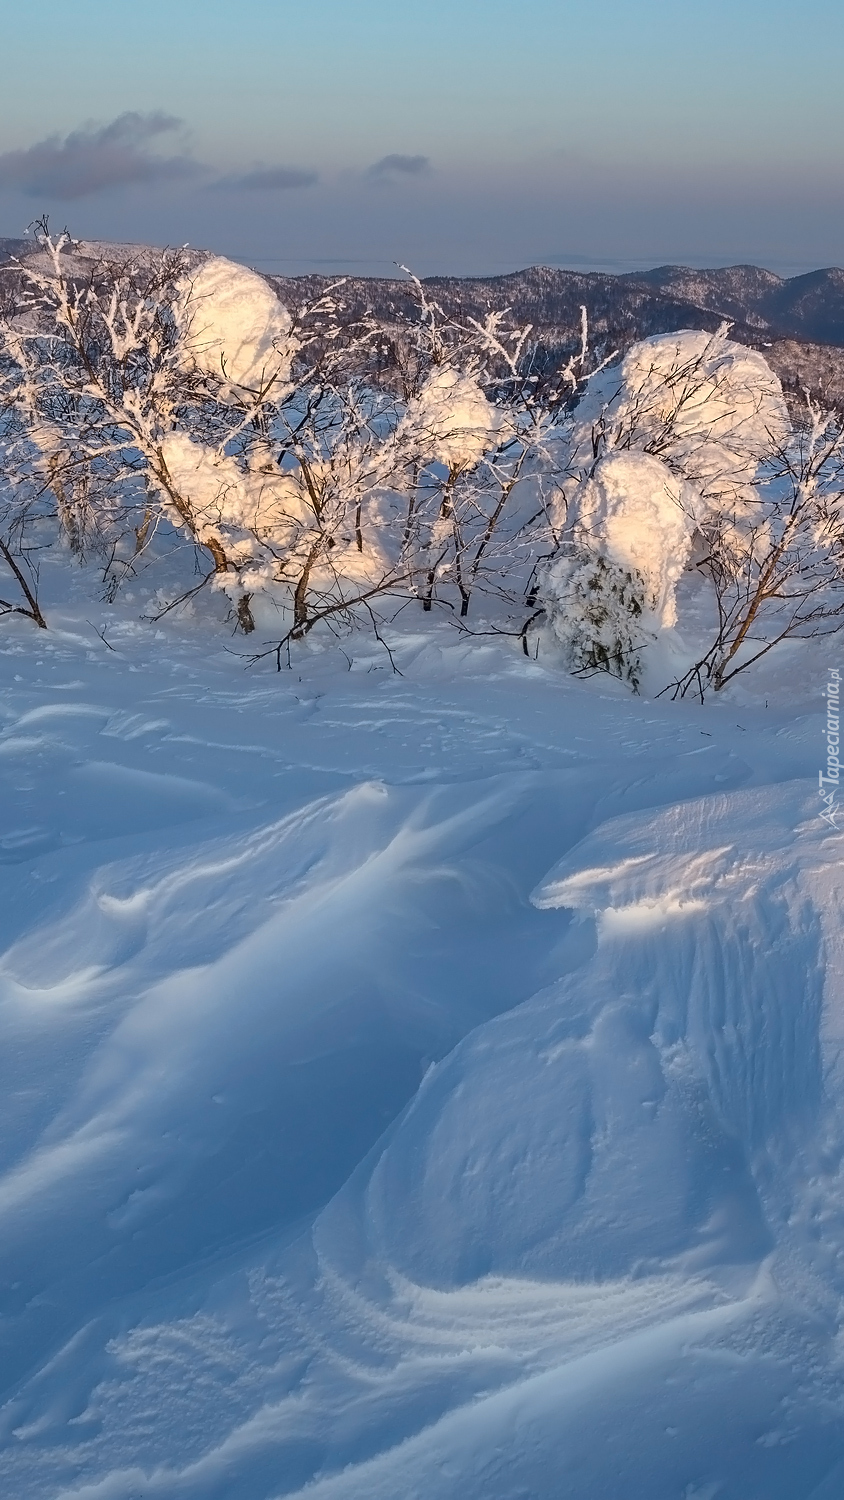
[[455, 135]]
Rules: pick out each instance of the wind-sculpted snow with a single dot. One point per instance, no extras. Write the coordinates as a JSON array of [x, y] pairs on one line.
[[654, 1073], [644, 1146], [421, 1086], [267, 1060]]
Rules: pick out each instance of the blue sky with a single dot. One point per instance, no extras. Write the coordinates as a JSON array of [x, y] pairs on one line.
[[464, 135]]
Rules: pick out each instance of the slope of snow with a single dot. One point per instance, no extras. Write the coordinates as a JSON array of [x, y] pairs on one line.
[[421, 1085]]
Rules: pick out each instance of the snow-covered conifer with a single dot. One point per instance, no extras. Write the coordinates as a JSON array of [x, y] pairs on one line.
[[596, 610]]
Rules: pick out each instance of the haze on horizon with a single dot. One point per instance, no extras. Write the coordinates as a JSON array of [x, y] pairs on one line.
[[464, 138]]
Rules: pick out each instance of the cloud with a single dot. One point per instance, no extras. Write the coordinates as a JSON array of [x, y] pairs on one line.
[[268, 180], [93, 159], [406, 166]]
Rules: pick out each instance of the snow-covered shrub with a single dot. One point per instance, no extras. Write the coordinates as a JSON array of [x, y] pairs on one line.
[[87, 367], [596, 610], [451, 420], [478, 423], [448, 428], [688, 436], [777, 567], [636, 512], [182, 391], [768, 501], [710, 408], [150, 392], [627, 542]]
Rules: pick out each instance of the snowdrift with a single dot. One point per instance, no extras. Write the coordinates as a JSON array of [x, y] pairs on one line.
[[423, 1086]]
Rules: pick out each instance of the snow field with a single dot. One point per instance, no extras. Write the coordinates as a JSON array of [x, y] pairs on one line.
[[421, 1085]]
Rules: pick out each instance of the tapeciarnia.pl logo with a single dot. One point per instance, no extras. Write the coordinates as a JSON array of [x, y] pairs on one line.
[[828, 782]]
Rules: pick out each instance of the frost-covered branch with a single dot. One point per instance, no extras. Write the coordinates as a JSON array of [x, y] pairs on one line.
[[777, 568]]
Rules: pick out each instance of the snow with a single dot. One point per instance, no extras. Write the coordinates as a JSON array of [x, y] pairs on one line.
[[628, 538], [452, 416], [665, 446], [709, 407], [421, 1085], [259, 498], [238, 331], [642, 516]]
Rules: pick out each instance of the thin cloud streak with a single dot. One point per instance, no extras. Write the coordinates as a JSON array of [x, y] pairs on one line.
[[405, 166], [267, 180], [95, 159]]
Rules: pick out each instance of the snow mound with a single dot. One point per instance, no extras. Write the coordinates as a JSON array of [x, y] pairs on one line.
[[611, 1127], [237, 330], [645, 1144], [335, 1163]]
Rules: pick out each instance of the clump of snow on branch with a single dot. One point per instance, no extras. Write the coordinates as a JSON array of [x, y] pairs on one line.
[[453, 419], [709, 407], [225, 494], [236, 330], [641, 516]]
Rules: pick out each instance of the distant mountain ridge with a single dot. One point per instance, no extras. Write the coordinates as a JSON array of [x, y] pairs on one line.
[[809, 307], [797, 320]]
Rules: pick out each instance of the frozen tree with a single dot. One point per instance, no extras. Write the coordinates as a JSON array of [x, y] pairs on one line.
[[180, 389], [777, 564], [22, 508], [93, 375], [183, 391], [627, 541], [448, 428], [710, 408], [148, 391], [634, 509], [596, 610], [664, 447], [483, 423]]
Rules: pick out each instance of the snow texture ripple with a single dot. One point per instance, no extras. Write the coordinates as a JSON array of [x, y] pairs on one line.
[[421, 1086]]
